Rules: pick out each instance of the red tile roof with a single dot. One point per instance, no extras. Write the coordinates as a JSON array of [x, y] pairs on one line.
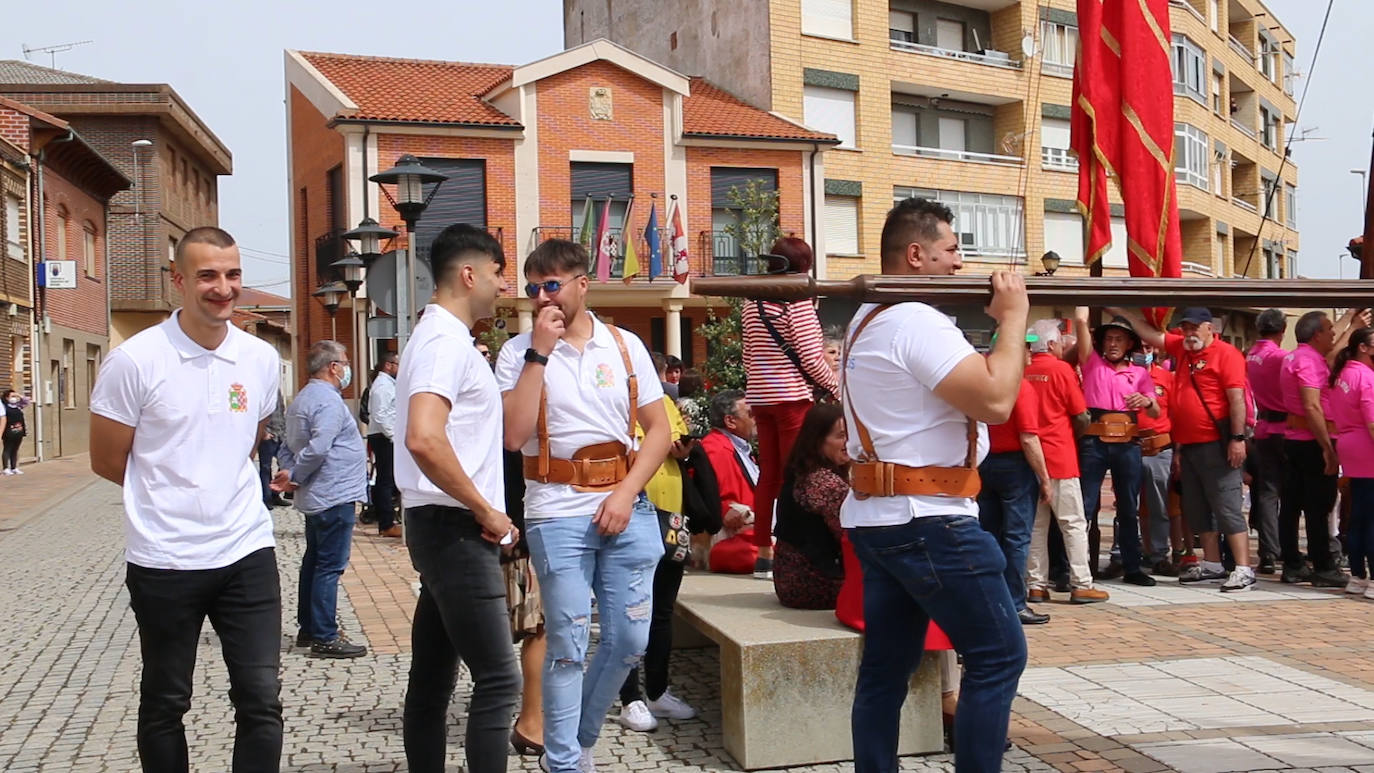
[[713, 112], [253, 297], [414, 90]]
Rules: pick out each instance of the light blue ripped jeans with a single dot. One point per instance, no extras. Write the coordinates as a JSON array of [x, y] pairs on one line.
[[572, 560]]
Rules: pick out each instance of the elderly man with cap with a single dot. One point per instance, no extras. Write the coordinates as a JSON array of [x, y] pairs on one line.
[[1115, 389], [1208, 414]]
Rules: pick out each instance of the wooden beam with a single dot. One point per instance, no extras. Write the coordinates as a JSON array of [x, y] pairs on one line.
[[1052, 290]]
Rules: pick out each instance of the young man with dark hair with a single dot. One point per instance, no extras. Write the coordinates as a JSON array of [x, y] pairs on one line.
[[573, 389], [449, 470], [180, 403], [1262, 365], [916, 396]]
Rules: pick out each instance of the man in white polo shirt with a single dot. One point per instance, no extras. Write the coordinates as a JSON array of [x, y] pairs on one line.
[[573, 390], [916, 398], [172, 410], [449, 470]]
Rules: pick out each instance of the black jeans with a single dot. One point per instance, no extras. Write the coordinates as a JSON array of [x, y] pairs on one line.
[[384, 490], [667, 582], [10, 459], [243, 602], [1308, 492], [1265, 484], [461, 612], [267, 453]]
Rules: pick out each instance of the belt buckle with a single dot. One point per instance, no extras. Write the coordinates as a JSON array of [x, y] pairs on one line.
[[887, 472]]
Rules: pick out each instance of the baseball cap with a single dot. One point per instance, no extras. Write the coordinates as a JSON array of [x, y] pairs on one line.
[[1196, 315]]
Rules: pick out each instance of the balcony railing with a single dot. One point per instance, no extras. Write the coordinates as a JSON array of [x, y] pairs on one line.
[[1061, 159], [1056, 69], [1243, 204], [1187, 6], [1242, 49], [956, 155], [544, 233], [993, 58], [723, 256], [1198, 268], [1248, 131], [329, 248]]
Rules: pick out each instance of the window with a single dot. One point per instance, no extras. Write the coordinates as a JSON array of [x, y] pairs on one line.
[[92, 368], [1269, 128], [953, 133], [725, 248], [1115, 256], [987, 224], [1214, 14], [1064, 235], [1219, 254], [461, 199], [1218, 94], [1054, 145], [88, 248], [1190, 155], [828, 18], [1061, 46], [949, 34], [1269, 58], [1269, 187], [1218, 167], [1292, 263], [1288, 73], [61, 233], [905, 137], [830, 110], [841, 225], [1189, 67], [65, 391], [14, 247], [1290, 205], [901, 27]]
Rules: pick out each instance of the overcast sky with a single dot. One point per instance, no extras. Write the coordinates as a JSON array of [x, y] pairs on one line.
[[228, 67]]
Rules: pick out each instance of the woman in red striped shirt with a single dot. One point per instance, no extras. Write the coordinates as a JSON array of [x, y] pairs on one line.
[[784, 362]]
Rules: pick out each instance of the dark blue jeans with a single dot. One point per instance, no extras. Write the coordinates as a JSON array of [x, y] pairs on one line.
[[947, 569], [267, 451], [328, 542], [1123, 459], [1006, 509], [1361, 539]]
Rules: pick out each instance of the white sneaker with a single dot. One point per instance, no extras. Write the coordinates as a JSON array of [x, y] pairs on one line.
[[1369, 592], [588, 763], [1356, 585], [637, 717], [669, 706], [8, 471], [1242, 577], [17, 471]]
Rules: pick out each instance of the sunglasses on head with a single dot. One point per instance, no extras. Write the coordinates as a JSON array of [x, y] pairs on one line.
[[551, 286]]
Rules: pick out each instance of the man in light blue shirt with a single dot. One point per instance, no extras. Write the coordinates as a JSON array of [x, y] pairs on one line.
[[324, 462]]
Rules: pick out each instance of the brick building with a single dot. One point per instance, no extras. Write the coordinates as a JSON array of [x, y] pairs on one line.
[[268, 317], [968, 101], [152, 137], [523, 147], [70, 185]]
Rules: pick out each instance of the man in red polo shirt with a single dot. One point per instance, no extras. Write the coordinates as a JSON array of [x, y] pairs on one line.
[[1063, 414], [1208, 415], [1014, 478]]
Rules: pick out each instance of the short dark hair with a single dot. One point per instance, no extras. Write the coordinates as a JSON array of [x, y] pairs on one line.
[[1271, 321], [1308, 326], [690, 384], [673, 362], [557, 256], [205, 234], [723, 404], [806, 453], [660, 362], [912, 220], [461, 243]]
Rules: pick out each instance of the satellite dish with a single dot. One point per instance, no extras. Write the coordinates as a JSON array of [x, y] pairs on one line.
[[1028, 45]]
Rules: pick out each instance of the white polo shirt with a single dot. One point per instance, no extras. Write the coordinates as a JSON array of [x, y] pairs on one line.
[[440, 359], [894, 367], [192, 495], [588, 403]]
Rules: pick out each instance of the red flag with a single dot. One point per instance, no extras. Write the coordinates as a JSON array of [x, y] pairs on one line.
[[679, 245], [1123, 127]]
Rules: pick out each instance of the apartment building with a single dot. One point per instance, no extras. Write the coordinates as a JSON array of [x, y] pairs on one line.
[[968, 101]]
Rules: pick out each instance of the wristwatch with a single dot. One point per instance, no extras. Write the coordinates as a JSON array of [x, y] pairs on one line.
[[533, 355], [1234, 438]]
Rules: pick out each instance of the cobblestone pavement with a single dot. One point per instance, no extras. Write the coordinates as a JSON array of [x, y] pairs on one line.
[[1169, 678]]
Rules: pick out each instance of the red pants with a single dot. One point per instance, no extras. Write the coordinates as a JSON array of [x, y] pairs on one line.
[[777, 427]]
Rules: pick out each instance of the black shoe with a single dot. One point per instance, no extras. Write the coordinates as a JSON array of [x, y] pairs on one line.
[[1139, 578], [1329, 578], [338, 648], [1164, 568], [1266, 566], [1295, 575], [1114, 570], [1029, 616], [303, 639]]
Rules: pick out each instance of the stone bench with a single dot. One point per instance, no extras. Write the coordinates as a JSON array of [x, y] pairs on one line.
[[787, 676]]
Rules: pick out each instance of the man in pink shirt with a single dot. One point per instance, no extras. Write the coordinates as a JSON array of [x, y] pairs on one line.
[[1114, 389], [1309, 488], [1262, 365]]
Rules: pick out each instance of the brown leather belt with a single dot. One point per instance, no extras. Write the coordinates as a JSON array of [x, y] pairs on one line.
[[1295, 421], [593, 468], [1113, 428], [885, 479], [1152, 442]]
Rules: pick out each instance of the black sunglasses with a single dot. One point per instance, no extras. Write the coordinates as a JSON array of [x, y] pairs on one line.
[[551, 286]]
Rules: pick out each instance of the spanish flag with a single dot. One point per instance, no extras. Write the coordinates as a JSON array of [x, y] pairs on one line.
[[1123, 128]]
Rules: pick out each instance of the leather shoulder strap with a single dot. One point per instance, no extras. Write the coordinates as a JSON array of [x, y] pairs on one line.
[[541, 428], [865, 439], [633, 384]]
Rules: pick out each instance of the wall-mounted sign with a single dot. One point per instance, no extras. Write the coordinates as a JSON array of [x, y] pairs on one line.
[[57, 274]]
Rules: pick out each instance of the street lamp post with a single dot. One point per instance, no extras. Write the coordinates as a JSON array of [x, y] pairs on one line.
[[409, 178], [1050, 261], [331, 295]]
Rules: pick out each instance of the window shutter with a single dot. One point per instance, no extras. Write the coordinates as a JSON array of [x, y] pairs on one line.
[[830, 110], [462, 198], [1054, 133], [1064, 235], [953, 133], [904, 128], [949, 34], [831, 18], [1116, 254], [841, 225], [725, 178]]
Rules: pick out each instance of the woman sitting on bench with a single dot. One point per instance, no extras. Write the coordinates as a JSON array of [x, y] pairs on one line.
[[807, 571]]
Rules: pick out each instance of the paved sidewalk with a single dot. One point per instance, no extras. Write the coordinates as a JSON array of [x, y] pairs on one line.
[[1168, 678]]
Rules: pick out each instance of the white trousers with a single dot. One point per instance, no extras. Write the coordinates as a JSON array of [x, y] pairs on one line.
[[1066, 503]]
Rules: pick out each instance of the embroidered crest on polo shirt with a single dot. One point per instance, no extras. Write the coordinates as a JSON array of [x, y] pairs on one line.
[[605, 377], [238, 398]]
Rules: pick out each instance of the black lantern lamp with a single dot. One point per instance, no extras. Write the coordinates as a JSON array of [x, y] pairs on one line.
[[1050, 261], [332, 294], [409, 176], [350, 268], [369, 237]]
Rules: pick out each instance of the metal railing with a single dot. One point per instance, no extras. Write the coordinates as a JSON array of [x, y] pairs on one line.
[[1198, 268], [1243, 204], [329, 248], [1187, 6], [1056, 69], [544, 233], [1061, 159], [956, 155], [1241, 48], [1248, 131], [992, 58], [723, 256]]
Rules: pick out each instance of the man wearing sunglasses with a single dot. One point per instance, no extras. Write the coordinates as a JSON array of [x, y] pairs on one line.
[[573, 389]]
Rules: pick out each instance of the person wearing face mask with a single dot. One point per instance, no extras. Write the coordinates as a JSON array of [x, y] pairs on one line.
[[14, 432], [324, 461]]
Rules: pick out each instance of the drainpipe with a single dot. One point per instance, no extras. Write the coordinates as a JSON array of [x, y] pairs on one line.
[[815, 220], [40, 310]]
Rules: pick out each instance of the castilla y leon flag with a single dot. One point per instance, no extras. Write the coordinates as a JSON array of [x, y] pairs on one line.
[[1123, 127], [681, 268]]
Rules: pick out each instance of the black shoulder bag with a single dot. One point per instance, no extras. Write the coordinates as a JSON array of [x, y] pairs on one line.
[[787, 350], [1223, 428]]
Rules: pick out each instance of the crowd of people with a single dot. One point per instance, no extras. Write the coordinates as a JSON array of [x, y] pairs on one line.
[[925, 491]]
